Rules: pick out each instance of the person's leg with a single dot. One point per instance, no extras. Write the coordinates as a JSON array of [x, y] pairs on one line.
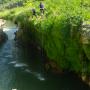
[[42, 11]]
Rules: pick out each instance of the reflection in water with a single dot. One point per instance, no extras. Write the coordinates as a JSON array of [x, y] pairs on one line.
[[17, 74]]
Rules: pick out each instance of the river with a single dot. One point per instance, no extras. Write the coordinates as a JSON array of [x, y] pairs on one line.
[[16, 73]]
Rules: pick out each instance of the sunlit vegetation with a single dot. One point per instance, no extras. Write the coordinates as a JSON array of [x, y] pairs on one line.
[[57, 31]]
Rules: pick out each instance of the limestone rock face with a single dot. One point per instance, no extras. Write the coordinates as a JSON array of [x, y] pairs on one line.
[[3, 36], [86, 32], [85, 35]]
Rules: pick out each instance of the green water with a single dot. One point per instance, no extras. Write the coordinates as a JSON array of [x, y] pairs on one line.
[[22, 69]]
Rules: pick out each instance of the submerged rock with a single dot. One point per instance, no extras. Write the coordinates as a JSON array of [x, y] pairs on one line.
[[53, 67], [85, 79]]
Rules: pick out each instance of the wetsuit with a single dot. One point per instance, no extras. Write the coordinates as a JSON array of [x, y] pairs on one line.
[[34, 12], [42, 8]]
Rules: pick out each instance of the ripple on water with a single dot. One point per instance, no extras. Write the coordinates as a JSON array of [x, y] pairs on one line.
[[13, 62], [39, 76], [14, 89], [8, 56], [20, 65], [28, 71]]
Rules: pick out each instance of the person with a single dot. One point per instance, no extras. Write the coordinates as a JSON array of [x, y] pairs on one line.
[[34, 12], [41, 8]]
